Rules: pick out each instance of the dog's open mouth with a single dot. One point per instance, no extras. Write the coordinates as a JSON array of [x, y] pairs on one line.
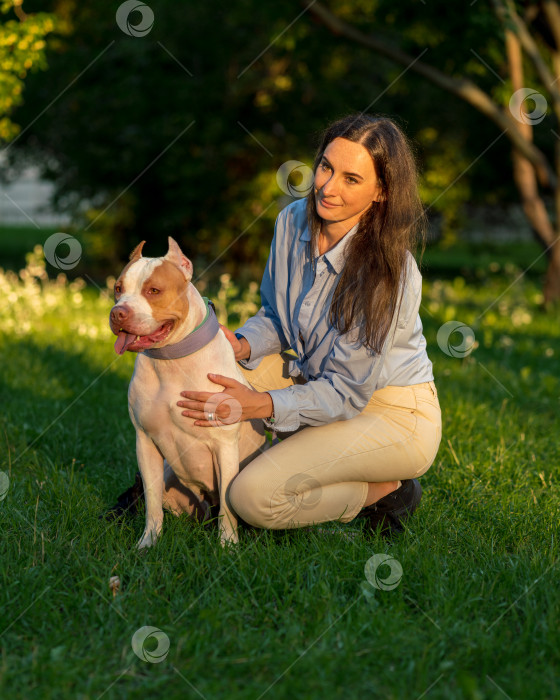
[[136, 343]]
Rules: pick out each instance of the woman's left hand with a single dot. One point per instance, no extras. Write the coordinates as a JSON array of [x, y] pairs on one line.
[[233, 405]]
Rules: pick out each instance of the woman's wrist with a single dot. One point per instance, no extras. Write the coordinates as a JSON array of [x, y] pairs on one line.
[[268, 407], [245, 348]]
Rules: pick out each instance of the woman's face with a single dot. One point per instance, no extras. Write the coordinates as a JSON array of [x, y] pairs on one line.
[[345, 181]]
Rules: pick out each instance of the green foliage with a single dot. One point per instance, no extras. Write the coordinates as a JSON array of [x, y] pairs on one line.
[[258, 87], [444, 165], [22, 49], [35, 299]]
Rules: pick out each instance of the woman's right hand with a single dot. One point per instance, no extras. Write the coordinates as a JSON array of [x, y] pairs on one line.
[[241, 348]]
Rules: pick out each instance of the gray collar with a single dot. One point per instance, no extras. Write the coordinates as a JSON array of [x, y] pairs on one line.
[[195, 340]]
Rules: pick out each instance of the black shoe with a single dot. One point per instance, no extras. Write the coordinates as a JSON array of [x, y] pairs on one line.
[[127, 502], [392, 510], [210, 518]]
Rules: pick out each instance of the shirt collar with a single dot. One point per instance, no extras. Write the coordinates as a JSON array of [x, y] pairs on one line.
[[335, 256]]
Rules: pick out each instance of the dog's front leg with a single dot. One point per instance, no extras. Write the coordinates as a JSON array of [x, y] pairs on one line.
[[150, 462], [228, 468]]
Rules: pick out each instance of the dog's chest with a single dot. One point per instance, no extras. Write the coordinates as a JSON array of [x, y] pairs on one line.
[[155, 413], [153, 403]]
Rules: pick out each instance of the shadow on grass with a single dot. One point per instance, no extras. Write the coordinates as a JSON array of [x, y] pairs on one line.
[[64, 408]]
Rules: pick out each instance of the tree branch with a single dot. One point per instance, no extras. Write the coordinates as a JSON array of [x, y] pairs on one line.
[[517, 25], [462, 87], [552, 12], [18, 9]]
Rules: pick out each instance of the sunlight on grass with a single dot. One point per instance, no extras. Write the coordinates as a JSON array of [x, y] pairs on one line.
[[478, 559]]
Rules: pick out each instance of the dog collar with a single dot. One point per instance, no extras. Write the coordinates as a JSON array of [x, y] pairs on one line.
[[195, 340]]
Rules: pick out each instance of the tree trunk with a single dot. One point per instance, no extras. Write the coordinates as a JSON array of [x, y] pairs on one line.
[[529, 163], [551, 289], [525, 179]]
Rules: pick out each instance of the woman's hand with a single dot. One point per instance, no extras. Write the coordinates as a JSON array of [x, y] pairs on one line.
[[235, 404], [241, 348]]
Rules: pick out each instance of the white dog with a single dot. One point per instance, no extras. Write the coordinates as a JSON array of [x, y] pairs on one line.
[[160, 315]]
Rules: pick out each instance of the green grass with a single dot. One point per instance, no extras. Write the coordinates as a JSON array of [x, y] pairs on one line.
[[471, 259], [16, 241], [464, 258], [286, 614]]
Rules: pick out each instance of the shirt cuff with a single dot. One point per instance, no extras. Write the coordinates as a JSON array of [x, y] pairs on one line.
[[252, 338], [286, 414], [246, 363]]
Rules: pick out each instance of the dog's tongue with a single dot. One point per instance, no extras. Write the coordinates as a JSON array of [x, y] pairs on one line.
[[124, 340]]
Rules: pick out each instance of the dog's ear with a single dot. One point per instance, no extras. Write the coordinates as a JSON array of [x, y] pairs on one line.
[[175, 256], [137, 252]]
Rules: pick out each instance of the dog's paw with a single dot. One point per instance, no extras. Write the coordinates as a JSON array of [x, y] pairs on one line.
[[228, 537], [148, 539]]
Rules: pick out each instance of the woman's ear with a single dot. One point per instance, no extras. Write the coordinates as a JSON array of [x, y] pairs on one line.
[[380, 194]]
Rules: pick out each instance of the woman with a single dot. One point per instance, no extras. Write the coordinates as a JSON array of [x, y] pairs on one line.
[[358, 408]]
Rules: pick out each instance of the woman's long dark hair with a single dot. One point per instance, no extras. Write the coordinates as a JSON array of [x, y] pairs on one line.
[[367, 292]]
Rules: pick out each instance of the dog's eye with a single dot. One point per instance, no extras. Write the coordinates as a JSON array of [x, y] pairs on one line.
[[118, 289], [153, 290]]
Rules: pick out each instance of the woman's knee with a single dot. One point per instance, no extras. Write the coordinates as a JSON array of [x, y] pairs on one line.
[[262, 504], [429, 450], [248, 500]]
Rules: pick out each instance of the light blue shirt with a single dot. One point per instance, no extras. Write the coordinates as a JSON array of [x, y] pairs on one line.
[[342, 374]]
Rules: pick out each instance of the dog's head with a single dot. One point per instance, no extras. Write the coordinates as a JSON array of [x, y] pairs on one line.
[[150, 299]]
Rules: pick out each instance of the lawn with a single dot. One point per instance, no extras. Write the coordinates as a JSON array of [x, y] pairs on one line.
[[16, 241], [287, 614]]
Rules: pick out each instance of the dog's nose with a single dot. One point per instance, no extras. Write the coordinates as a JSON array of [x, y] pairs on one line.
[[120, 314]]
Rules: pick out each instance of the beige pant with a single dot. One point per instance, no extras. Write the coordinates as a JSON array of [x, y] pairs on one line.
[[321, 473]]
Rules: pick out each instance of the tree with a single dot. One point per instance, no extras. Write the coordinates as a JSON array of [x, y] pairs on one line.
[[257, 84], [22, 49], [181, 132], [533, 29]]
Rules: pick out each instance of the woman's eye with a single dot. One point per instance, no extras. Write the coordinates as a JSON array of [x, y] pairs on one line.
[[324, 166], [352, 179]]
